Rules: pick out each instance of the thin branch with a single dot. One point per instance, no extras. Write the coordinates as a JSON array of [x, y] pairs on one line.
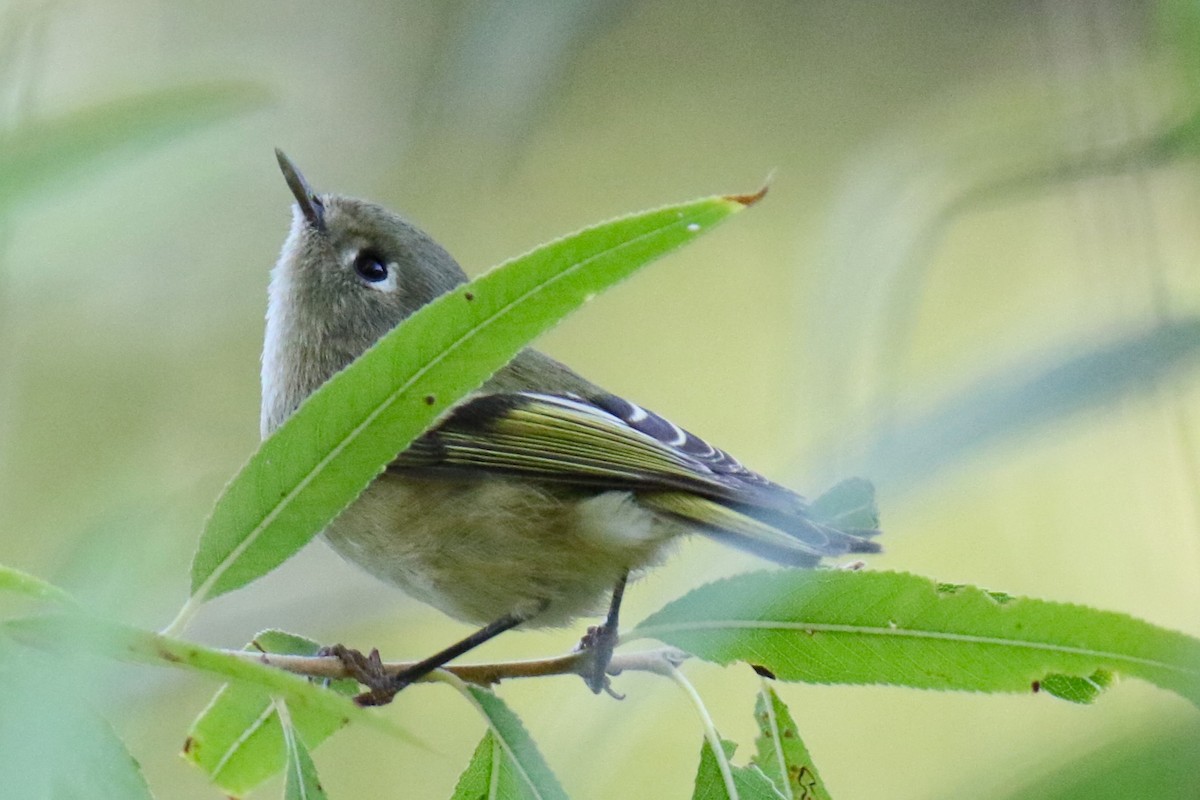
[[661, 661]]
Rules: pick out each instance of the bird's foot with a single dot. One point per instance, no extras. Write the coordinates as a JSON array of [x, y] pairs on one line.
[[598, 644], [367, 670]]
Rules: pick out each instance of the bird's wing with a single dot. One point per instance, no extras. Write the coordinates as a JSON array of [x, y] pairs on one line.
[[607, 442]]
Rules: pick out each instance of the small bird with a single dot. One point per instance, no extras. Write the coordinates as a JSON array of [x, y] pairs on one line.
[[534, 498]]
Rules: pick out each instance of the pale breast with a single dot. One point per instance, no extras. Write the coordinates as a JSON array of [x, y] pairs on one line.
[[483, 548]]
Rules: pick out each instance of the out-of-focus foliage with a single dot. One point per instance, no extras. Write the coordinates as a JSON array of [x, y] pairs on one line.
[[1157, 761], [968, 196], [1018, 402], [51, 743], [72, 635], [43, 153]]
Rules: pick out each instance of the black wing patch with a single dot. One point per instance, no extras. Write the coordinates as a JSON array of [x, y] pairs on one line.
[[670, 434]]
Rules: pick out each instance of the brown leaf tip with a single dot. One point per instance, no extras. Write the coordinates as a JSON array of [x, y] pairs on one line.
[[748, 199]]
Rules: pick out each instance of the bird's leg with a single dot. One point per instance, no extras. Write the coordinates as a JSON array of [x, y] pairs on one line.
[[381, 687], [600, 641]]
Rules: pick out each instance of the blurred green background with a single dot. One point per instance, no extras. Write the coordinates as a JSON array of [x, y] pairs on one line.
[[974, 280]]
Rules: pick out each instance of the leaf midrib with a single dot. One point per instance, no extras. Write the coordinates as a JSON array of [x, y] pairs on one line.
[[506, 746], [236, 746], [911, 633], [776, 736]]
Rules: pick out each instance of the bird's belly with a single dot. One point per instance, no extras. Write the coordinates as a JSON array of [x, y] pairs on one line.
[[484, 548]]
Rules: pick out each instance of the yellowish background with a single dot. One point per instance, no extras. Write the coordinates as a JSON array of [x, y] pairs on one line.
[[132, 295]]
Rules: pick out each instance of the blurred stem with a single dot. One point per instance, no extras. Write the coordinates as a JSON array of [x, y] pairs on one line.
[[25, 37], [898, 322], [1147, 216], [31, 45], [662, 661]]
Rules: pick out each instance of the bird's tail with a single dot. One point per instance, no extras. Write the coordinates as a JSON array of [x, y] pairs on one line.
[[843, 520]]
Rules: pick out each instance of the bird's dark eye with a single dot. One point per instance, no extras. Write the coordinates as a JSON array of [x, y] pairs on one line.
[[370, 267]]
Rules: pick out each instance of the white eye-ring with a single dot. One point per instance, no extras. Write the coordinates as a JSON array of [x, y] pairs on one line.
[[374, 270]]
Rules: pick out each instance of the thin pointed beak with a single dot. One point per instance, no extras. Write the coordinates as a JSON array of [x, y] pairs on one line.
[[306, 198]]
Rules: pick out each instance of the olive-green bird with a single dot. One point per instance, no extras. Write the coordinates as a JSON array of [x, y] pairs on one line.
[[532, 501]]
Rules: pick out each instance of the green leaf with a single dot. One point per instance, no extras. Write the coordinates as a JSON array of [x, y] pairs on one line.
[[103, 766], [42, 153], [239, 740], [750, 782], [87, 759], [1179, 29], [507, 763], [52, 743], [894, 628], [344, 434], [1156, 760], [491, 775], [14, 580], [302, 782], [75, 633], [781, 754]]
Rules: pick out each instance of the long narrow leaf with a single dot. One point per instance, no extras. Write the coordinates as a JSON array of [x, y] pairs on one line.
[[42, 153], [14, 580], [491, 775], [748, 782], [905, 630], [301, 782], [338, 440], [514, 764], [76, 633], [781, 753]]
